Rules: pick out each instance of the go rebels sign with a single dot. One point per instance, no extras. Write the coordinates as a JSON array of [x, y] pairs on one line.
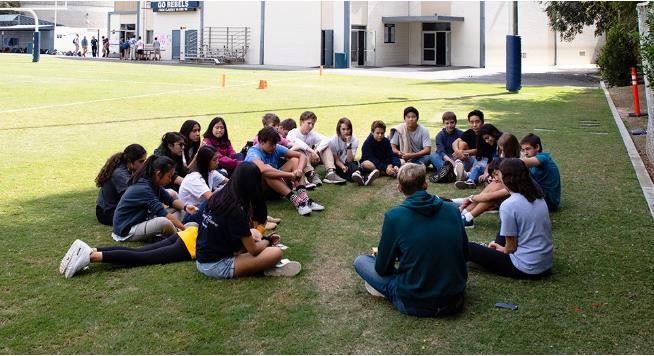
[[174, 6]]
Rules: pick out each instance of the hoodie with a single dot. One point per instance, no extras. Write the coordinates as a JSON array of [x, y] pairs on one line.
[[427, 236]]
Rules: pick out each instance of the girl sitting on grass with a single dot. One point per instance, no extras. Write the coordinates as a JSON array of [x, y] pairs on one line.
[[141, 214], [172, 146], [227, 246], [176, 247], [217, 137], [113, 178], [191, 131], [202, 179], [523, 248]]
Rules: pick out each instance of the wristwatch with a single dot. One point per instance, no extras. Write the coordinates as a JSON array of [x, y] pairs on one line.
[[349, 147]]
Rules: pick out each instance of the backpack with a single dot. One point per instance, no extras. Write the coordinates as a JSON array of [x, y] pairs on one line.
[[444, 175]]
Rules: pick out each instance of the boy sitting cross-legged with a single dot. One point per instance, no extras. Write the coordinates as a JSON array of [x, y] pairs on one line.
[[377, 153], [266, 156]]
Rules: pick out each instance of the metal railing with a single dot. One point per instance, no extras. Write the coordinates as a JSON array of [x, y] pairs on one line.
[[221, 45]]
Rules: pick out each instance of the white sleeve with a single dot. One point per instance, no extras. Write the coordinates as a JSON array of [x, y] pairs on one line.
[[297, 141], [216, 180], [355, 146], [192, 185], [320, 141]]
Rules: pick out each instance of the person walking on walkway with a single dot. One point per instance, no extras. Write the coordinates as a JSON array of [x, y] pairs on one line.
[[94, 46]]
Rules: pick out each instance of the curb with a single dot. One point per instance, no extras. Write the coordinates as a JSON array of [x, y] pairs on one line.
[[643, 177]]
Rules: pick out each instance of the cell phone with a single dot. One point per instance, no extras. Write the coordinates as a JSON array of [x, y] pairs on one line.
[[506, 306]]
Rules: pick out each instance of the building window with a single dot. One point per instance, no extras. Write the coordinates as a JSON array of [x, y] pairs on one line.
[[149, 34], [436, 26], [389, 33]]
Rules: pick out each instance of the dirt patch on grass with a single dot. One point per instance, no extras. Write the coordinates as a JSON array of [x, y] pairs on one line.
[[624, 102]]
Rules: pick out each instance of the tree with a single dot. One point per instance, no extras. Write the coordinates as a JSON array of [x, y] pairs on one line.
[[8, 4], [569, 17]]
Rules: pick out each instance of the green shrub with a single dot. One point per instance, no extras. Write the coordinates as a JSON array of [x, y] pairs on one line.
[[618, 55]]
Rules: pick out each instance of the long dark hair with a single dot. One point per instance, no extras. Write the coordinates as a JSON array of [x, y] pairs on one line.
[[243, 193], [169, 138], [202, 160], [484, 149], [510, 145], [132, 153], [151, 165], [209, 132], [191, 147], [515, 176]]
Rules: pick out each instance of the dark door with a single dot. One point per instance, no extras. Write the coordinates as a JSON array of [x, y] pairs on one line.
[[327, 53], [361, 58], [191, 43], [441, 49], [175, 49]]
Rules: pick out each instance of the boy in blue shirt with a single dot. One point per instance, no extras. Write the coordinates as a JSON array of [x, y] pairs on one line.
[[444, 150], [543, 169], [266, 154]]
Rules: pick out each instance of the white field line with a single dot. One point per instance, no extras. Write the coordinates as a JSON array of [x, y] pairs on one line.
[[80, 79], [138, 96]]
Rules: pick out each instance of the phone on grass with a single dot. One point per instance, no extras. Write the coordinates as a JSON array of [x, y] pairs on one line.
[[506, 306]]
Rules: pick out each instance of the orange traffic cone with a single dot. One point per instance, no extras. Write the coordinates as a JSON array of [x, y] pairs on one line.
[[263, 84]]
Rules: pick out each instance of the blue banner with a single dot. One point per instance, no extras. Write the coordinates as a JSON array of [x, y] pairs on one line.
[[174, 6]]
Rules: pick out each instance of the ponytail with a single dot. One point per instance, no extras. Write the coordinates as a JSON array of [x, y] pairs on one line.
[[154, 163], [131, 154]]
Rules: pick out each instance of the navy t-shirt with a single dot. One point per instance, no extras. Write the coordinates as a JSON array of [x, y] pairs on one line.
[[220, 236]]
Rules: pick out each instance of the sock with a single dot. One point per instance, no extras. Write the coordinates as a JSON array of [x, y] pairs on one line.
[[458, 201], [467, 215], [302, 194], [295, 198]]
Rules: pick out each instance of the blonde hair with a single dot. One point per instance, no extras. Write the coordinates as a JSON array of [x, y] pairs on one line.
[[411, 177]]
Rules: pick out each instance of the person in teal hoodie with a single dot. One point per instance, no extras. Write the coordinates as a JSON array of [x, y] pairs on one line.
[[426, 235]]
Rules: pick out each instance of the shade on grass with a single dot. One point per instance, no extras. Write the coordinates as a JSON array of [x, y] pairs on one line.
[[60, 119]]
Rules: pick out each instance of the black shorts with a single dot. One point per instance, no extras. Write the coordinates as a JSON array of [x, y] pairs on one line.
[[140, 51]]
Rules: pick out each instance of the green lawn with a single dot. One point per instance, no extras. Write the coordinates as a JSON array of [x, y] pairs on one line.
[[60, 119]]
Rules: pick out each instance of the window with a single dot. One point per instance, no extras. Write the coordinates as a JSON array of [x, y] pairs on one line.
[[149, 34], [389, 33], [436, 26]]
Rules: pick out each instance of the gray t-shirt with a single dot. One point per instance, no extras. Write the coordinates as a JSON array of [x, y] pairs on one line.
[[339, 148], [530, 222], [418, 139]]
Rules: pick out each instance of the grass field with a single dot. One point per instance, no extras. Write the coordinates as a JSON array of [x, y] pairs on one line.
[[60, 119]]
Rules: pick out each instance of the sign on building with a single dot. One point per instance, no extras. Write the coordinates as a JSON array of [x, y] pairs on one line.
[[174, 6]]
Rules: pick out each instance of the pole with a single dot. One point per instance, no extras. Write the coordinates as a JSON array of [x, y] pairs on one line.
[[515, 18], [634, 85]]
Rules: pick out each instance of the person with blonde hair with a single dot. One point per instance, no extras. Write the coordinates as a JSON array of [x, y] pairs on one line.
[[426, 235]]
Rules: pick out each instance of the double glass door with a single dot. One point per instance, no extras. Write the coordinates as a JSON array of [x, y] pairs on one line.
[[436, 48]]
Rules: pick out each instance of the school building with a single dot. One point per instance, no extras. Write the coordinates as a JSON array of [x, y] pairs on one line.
[[348, 33]]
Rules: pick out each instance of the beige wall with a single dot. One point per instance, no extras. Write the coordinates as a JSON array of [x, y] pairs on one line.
[[125, 5], [429, 8], [327, 15], [389, 54], [464, 49], [359, 13], [297, 42], [237, 14]]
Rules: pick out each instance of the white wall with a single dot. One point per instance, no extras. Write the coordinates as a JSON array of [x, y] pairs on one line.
[[359, 13], [464, 49], [389, 54], [296, 42], [165, 22], [238, 14], [338, 22]]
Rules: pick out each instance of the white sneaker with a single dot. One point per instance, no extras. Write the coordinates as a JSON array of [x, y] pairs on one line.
[[459, 171], [289, 269], [303, 209], [64, 261], [310, 186], [333, 178], [80, 258], [373, 291], [357, 178], [372, 176], [315, 206]]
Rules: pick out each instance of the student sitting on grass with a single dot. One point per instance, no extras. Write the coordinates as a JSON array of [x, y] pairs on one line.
[[443, 157], [494, 192], [285, 127], [172, 146], [266, 155], [272, 120], [227, 247], [523, 248], [217, 137], [191, 131], [543, 169], [202, 179], [377, 153], [141, 214], [344, 147], [314, 146], [113, 180], [176, 247], [426, 235], [484, 155], [465, 148], [410, 140]]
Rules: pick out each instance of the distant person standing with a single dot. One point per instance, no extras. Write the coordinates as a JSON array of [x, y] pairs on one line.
[[132, 48], [94, 46], [140, 47], [76, 43], [157, 49], [85, 46], [105, 47]]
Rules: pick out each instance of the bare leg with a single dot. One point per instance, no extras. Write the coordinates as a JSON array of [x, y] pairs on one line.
[[245, 264]]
